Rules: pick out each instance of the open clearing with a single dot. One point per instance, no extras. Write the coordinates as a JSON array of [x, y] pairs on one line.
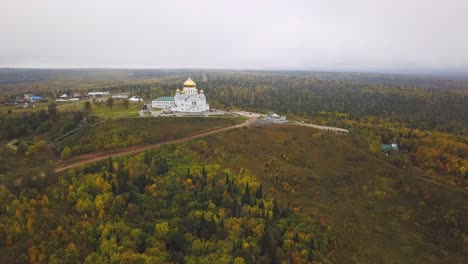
[[93, 157]]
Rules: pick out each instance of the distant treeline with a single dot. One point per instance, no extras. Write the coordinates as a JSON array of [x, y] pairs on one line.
[[23, 76], [423, 108], [303, 94]]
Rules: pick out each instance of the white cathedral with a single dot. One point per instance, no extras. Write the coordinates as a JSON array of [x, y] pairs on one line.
[[189, 100]]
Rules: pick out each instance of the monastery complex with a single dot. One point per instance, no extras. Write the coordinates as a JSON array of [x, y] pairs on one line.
[[187, 100]]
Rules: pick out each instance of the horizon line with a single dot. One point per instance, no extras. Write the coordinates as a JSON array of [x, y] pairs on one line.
[[409, 71]]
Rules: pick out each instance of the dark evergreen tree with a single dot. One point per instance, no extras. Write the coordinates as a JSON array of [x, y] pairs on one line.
[[246, 197], [259, 193], [275, 210], [110, 165], [227, 179], [204, 174]]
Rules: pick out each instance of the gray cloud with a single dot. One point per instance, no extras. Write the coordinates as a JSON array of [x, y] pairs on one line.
[[314, 34]]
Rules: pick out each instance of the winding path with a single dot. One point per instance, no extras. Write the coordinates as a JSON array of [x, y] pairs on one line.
[[97, 156]]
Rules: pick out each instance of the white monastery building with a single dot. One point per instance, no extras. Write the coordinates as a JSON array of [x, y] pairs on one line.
[[165, 102], [189, 100]]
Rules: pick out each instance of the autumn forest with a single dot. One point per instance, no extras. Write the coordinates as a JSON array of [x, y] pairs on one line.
[[260, 193]]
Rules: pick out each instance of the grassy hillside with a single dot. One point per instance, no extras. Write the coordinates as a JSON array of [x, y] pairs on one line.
[[39, 152], [380, 214], [123, 132]]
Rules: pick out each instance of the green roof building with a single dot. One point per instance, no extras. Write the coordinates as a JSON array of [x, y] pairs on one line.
[[389, 147], [163, 102], [164, 98]]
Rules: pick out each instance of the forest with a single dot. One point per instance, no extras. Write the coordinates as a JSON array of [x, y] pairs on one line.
[[156, 207], [262, 194]]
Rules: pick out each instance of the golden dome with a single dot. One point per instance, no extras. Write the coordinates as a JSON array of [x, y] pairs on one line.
[[189, 83], [182, 92], [201, 91], [177, 91]]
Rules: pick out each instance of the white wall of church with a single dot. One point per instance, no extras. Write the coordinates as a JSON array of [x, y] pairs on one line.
[[190, 103]]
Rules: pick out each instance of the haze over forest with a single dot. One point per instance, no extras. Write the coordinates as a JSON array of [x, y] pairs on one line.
[[361, 35]]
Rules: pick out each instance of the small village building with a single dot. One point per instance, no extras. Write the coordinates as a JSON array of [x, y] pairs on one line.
[[273, 117], [35, 98], [30, 97], [163, 102], [135, 99], [27, 95], [98, 94], [389, 147], [67, 100], [120, 96], [64, 98]]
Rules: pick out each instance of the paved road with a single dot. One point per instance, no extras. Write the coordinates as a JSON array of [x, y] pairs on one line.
[[326, 128], [97, 156]]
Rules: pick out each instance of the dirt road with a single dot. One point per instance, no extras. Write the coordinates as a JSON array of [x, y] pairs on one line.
[[97, 156]]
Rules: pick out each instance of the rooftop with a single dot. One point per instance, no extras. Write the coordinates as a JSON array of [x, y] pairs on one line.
[[389, 147], [164, 98]]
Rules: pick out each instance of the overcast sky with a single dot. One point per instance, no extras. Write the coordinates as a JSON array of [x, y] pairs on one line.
[[235, 34]]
